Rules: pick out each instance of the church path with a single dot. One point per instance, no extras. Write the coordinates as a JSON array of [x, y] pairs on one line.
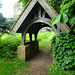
[[39, 63]]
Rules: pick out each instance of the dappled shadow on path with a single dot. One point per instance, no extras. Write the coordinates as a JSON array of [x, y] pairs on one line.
[[39, 63]]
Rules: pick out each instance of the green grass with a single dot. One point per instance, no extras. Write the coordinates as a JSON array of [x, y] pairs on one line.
[[13, 67], [44, 38]]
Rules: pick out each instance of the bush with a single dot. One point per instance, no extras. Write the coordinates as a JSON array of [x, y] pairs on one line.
[[64, 50], [54, 70], [56, 4], [52, 41], [8, 45]]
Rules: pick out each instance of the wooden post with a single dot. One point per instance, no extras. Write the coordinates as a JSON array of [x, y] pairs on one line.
[[30, 35], [35, 16], [23, 38], [43, 14], [55, 30], [39, 12], [35, 36]]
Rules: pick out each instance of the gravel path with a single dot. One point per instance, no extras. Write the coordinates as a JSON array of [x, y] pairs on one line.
[[40, 62]]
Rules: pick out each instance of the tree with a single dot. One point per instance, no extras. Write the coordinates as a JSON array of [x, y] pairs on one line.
[[5, 23], [67, 14], [0, 4], [17, 9], [56, 4], [24, 2], [1, 18]]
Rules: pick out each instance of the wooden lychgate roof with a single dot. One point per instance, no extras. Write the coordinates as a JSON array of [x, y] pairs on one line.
[[37, 13]]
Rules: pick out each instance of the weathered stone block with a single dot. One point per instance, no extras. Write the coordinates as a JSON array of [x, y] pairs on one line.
[[28, 50], [21, 52]]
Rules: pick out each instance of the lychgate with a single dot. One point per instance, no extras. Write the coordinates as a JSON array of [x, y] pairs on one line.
[[36, 15]]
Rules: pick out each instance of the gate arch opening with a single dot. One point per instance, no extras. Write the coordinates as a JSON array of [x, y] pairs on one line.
[[35, 26], [44, 37]]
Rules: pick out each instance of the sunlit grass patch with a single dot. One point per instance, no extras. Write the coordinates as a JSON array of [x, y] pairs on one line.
[[44, 38]]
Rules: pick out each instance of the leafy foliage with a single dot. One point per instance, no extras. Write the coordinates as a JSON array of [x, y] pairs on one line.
[[6, 24], [8, 46], [62, 18], [72, 21], [67, 11], [56, 4], [68, 8], [64, 50], [24, 2], [1, 18], [54, 70]]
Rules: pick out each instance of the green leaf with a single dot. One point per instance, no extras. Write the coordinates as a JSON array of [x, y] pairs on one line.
[[64, 18], [53, 54], [67, 67], [62, 68], [55, 20]]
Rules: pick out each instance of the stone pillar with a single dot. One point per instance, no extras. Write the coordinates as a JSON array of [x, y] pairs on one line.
[[24, 52], [39, 12], [21, 52], [21, 48]]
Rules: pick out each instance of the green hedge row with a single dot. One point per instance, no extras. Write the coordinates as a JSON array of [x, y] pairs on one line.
[[63, 50]]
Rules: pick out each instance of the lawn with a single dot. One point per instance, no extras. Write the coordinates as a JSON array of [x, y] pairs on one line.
[[13, 67]]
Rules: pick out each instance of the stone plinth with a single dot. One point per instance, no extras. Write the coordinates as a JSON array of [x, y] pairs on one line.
[[28, 50]]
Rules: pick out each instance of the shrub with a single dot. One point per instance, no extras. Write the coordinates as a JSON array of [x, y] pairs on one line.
[[64, 50], [8, 45], [52, 41], [67, 14], [56, 4], [54, 70]]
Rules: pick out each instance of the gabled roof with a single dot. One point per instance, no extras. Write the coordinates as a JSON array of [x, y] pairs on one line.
[[49, 10]]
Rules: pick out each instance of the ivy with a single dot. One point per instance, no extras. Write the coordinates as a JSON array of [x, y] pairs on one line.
[[56, 4], [63, 50], [72, 21]]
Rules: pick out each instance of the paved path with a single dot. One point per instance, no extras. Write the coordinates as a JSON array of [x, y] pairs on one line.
[[39, 63]]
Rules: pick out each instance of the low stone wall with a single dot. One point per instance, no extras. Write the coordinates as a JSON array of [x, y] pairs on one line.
[[28, 50]]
